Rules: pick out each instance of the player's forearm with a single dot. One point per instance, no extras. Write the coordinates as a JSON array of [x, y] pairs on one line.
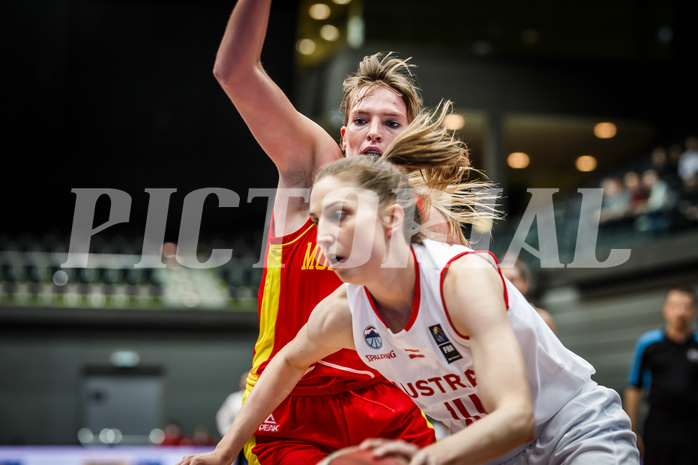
[[241, 47], [272, 387], [493, 436]]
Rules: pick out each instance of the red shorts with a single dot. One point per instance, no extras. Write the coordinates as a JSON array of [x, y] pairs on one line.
[[305, 429]]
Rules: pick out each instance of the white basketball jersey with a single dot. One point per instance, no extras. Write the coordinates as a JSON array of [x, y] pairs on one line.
[[433, 364]]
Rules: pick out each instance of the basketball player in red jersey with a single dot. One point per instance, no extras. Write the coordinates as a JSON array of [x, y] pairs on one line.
[[340, 401]]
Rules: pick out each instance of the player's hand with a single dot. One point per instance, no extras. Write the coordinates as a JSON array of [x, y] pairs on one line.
[[425, 457], [411, 453], [640, 446], [208, 458], [386, 447]]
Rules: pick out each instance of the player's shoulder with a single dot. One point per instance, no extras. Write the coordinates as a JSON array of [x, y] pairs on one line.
[[650, 337], [333, 307], [338, 297], [301, 162], [471, 262], [331, 321], [437, 254]]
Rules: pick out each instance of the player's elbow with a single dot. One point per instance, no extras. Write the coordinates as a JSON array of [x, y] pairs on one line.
[[518, 423], [225, 73], [523, 423], [229, 71]]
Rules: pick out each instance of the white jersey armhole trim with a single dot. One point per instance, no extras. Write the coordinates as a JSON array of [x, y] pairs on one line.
[[493, 262]]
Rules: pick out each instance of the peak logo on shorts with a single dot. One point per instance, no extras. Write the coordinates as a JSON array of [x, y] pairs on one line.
[[372, 338], [446, 347], [270, 425]]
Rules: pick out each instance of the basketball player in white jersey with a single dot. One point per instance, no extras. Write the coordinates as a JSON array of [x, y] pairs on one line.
[[440, 322]]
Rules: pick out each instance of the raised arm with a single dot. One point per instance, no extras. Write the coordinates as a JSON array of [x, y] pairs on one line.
[[296, 144], [473, 295], [327, 331]]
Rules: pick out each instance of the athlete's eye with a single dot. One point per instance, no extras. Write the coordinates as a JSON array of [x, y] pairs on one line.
[[393, 124], [337, 216], [360, 121]]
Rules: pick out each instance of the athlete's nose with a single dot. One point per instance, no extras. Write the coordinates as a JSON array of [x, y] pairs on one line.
[[325, 235], [374, 133]]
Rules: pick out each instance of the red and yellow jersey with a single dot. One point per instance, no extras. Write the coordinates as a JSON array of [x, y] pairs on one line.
[[296, 278]]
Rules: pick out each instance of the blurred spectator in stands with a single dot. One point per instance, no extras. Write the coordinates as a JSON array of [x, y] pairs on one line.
[[674, 153], [688, 163], [202, 437], [665, 364], [519, 273], [665, 168], [688, 203], [657, 213], [174, 436], [637, 193], [615, 201]]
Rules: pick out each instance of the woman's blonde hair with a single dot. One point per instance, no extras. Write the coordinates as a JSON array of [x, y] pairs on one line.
[[383, 70], [427, 164], [439, 170]]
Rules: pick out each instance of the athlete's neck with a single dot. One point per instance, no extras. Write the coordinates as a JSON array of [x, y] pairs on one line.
[[393, 295], [678, 335]]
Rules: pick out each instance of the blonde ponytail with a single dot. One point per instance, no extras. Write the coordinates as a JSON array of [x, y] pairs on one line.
[[439, 169]]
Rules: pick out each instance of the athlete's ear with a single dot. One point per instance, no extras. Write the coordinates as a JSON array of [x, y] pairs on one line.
[[393, 216], [342, 131]]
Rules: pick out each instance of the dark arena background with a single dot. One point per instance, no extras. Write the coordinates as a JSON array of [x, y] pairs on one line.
[[118, 97]]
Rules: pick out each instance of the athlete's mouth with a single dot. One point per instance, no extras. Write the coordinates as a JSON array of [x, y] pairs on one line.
[[372, 153], [334, 259]]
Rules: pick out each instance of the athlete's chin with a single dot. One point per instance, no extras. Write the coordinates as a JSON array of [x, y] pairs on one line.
[[348, 275]]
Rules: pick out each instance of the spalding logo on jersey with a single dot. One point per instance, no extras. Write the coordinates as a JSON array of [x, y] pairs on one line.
[[449, 351], [372, 338]]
